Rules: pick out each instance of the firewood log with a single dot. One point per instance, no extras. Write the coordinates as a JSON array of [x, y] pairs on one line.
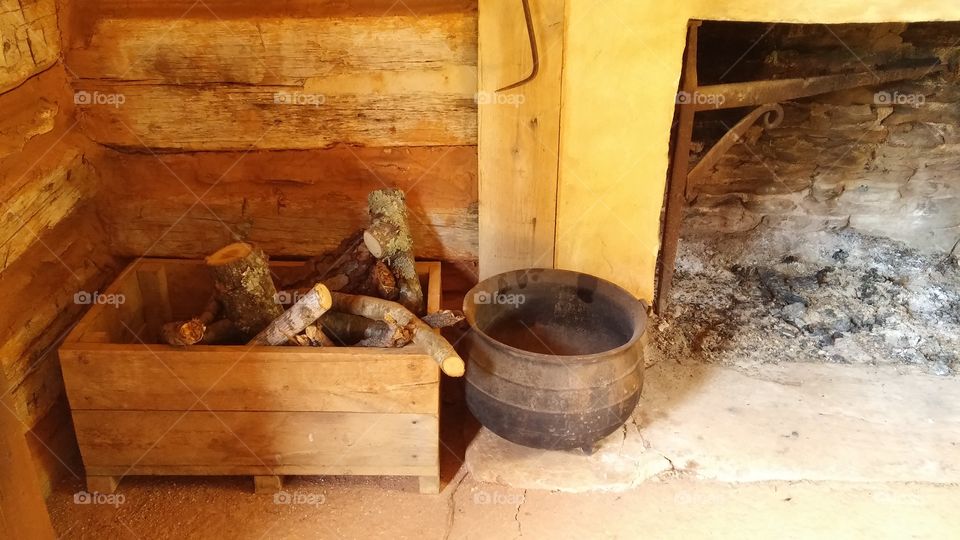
[[351, 329], [310, 307], [443, 319], [394, 313], [183, 333], [313, 336], [347, 268], [388, 237], [244, 287], [219, 332]]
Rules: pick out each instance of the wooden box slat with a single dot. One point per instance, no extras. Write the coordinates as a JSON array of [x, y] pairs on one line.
[[260, 442], [265, 379]]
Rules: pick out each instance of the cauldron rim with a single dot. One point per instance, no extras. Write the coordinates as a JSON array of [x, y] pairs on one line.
[[639, 315]]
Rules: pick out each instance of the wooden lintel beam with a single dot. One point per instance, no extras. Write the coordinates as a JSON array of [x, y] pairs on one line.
[[753, 93]]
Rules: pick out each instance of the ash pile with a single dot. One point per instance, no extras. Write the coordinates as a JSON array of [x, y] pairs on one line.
[[831, 296]]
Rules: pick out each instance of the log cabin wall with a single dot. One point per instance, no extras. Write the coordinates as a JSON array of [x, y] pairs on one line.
[[270, 122], [52, 245]]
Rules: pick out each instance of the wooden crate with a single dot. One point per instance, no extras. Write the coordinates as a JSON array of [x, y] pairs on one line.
[[140, 408]]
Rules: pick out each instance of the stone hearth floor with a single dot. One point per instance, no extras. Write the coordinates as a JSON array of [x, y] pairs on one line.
[[796, 451], [787, 422]]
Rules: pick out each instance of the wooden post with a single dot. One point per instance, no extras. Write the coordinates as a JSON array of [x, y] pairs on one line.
[[23, 513], [519, 138], [267, 484], [429, 484]]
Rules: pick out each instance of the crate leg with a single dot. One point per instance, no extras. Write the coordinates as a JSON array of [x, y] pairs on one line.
[[267, 484], [102, 484], [430, 484]]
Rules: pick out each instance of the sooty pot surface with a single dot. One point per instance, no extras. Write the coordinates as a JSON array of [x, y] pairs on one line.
[[554, 359]]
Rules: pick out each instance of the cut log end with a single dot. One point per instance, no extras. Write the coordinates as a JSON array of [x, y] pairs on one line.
[[453, 366], [228, 254], [183, 333]]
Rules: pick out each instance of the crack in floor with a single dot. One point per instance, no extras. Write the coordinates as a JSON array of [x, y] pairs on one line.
[[452, 503]]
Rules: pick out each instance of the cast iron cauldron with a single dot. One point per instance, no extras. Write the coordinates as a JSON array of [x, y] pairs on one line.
[[553, 357]]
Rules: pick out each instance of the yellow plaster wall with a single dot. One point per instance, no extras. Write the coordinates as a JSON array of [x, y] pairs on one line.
[[622, 61]]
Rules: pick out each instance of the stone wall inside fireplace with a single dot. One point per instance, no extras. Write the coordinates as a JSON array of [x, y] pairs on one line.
[[884, 160]]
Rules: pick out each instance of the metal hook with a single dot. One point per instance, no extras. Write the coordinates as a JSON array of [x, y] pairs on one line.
[[528, 15]]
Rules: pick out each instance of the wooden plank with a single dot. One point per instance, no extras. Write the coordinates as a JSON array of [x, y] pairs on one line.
[[148, 442], [519, 136], [244, 117], [300, 52], [152, 280], [38, 199], [434, 291], [86, 15], [39, 306], [25, 113], [30, 40], [23, 513], [273, 199], [162, 378]]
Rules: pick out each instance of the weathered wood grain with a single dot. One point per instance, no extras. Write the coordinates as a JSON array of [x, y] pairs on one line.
[[203, 442], [84, 16], [519, 136], [279, 83], [29, 40], [291, 203], [41, 197], [38, 307], [230, 117], [276, 51], [22, 514], [275, 379], [25, 113]]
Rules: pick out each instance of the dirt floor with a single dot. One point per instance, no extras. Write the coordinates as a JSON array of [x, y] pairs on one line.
[[225, 508], [769, 296]]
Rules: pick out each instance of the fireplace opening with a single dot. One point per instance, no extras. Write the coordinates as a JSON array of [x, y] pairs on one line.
[[820, 225]]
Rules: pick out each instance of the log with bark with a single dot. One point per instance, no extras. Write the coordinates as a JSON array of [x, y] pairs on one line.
[[244, 287], [443, 318], [190, 332], [303, 313], [394, 313], [388, 238], [350, 268], [354, 330]]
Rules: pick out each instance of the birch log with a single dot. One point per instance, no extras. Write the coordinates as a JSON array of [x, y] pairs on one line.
[[303, 313], [394, 313]]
